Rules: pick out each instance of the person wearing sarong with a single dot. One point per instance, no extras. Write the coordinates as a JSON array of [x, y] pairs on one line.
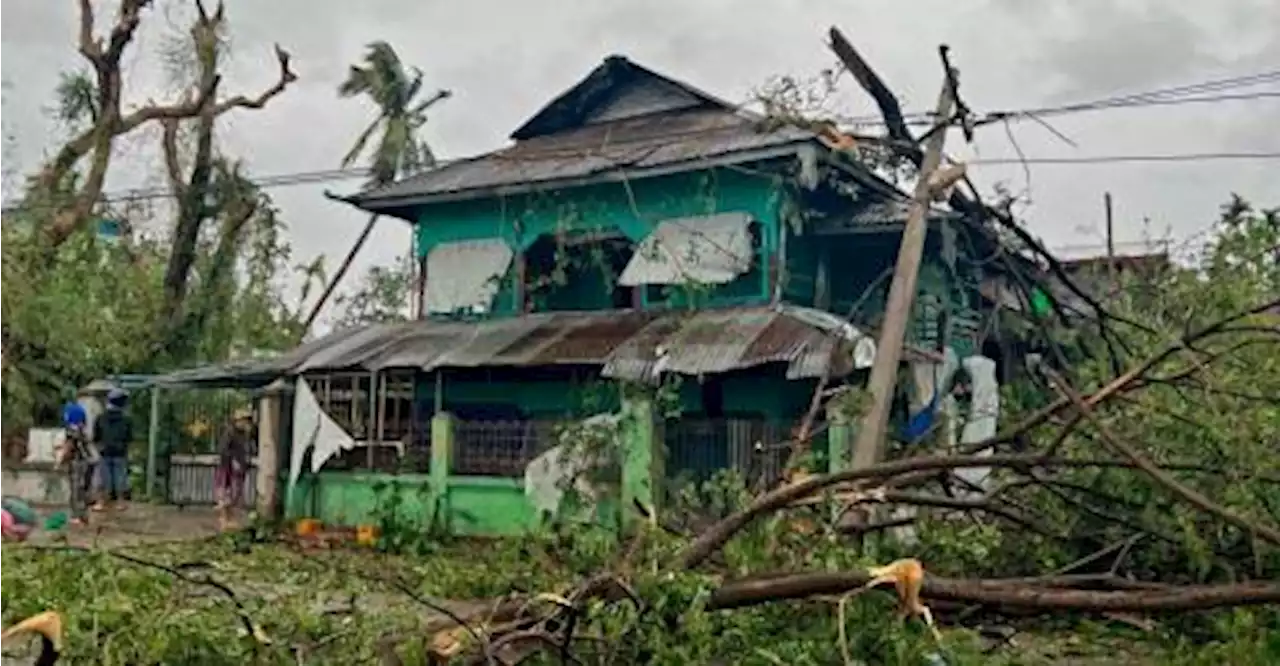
[[234, 448]]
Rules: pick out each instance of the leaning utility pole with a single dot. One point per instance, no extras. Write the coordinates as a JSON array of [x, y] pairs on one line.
[[869, 447]]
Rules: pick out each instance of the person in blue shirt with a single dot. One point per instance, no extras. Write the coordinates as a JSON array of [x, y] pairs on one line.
[[78, 456], [74, 415]]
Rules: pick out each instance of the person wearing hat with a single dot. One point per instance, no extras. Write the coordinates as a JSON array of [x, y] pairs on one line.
[[234, 448], [112, 433]]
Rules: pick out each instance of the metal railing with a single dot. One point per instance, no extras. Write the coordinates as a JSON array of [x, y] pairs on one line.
[[696, 448], [500, 448]]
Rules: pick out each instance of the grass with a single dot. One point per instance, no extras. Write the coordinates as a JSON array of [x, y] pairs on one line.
[[339, 606]]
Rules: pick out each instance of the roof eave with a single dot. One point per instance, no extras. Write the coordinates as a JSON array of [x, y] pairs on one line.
[[403, 213], [404, 203]]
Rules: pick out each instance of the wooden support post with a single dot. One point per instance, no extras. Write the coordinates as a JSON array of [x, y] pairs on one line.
[[269, 444], [371, 423], [869, 448], [153, 443]]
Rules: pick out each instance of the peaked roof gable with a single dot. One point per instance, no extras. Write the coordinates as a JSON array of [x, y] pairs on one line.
[[616, 89]]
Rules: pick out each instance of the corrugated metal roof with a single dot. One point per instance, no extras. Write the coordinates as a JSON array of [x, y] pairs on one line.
[[646, 142], [616, 88], [625, 344]]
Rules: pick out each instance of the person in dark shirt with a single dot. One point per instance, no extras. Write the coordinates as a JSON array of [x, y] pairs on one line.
[[234, 449], [112, 433]]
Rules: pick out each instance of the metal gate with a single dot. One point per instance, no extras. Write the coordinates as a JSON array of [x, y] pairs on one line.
[[191, 480], [191, 423]]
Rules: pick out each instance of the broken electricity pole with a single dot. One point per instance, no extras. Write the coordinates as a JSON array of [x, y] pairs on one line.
[[869, 447]]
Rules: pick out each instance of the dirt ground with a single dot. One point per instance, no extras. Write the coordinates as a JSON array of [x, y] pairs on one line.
[[135, 522]]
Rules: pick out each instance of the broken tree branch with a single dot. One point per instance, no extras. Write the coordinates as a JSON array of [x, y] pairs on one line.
[[286, 77], [1162, 477], [1019, 593], [712, 538]]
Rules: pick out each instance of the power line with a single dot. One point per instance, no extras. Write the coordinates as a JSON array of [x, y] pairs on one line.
[[334, 175], [1158, 97], [1117, 159], [264, 182]]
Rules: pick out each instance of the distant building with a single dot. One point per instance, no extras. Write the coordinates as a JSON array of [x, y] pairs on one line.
[[1103, 277]]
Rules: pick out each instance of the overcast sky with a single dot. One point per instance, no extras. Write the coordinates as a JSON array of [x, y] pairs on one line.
[[503, 59]]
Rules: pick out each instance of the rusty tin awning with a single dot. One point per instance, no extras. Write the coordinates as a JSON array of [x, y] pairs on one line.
[[625, 344]]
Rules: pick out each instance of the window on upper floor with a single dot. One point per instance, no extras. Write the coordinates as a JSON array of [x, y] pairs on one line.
[[687, 254], [464, 276], [577, 272]]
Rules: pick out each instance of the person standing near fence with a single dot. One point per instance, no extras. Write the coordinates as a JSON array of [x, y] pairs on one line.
[[79, 456], [112, 433], [234, 448]]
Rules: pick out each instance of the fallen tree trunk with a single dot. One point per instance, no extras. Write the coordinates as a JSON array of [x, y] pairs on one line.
[[1003, 593]]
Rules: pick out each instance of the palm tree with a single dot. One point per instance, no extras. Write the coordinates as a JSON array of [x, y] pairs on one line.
[[383, 78]]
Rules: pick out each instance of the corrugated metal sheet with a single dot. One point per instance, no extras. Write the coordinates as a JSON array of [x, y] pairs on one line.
[[605, 87], [638, 98], [709, 249], [191, 481], [465, 275], [713, 341], [625, 344], [634, 143], [592, 340], [352, 348]]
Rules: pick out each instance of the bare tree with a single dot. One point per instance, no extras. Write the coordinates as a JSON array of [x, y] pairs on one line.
[[211, 187], [110, 121]]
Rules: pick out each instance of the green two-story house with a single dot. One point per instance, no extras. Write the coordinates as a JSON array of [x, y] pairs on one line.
[[636, 232]]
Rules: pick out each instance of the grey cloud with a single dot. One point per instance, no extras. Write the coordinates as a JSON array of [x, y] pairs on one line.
[[1096, 47], [505, 59]]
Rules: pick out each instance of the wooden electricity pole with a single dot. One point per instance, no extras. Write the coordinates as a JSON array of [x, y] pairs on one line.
[[869, 447], [1111, 238]]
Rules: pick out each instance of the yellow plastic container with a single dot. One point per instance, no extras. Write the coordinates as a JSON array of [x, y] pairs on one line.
[[367, 535]]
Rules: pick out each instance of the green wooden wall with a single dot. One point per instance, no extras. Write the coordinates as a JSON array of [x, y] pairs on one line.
[[858, 260], [633, 208]]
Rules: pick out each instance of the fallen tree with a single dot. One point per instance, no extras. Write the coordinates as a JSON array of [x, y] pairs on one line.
[[1020, 593]]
